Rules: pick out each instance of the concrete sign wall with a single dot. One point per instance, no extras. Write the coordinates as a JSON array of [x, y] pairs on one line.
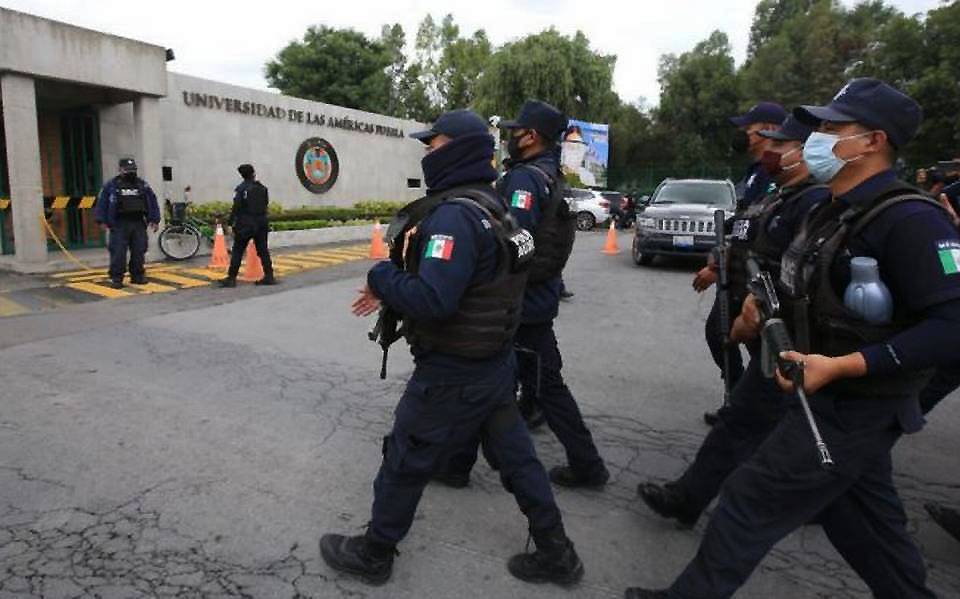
[[209, 128]]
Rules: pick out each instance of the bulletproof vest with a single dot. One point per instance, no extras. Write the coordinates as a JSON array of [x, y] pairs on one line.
[[819, 320], [556, 231], [489, 313], [131, 199], [255, 199], [749, 236]]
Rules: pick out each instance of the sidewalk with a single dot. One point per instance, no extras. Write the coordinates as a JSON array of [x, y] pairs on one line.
[[24, 294]]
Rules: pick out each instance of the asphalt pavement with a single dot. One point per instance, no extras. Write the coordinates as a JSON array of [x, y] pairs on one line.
[[197, 444]]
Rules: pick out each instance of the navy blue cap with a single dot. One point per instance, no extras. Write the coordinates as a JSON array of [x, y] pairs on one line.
[[761, 112], [789, 130], [127, 164], [871, 103], [453, 124], [245, 170], [952, 191], [543, 118]]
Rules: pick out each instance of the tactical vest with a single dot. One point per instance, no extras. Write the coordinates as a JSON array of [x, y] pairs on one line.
[[555, 232], [750, 238], [819, 320], [131, 199], [255, 199], [488, 315]]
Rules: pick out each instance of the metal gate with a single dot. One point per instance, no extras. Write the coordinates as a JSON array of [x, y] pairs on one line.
[[71, 215]]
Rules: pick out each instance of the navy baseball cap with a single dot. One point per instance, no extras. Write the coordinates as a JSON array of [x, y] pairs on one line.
[[871, 103], [790, 130], [245, 170], [543, 118], [453, 124], [761, 112], [127, 165]]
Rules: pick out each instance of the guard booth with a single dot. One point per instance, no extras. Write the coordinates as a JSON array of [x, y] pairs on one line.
[[72, 101]]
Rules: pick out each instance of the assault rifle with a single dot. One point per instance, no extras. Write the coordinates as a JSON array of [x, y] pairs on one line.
[[723, 296], [385, 332], [776, 339]]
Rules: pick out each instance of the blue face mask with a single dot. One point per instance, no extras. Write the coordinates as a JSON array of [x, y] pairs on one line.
[[818, 154]]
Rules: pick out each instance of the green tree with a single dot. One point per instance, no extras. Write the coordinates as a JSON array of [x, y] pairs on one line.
[[698, 95], [561, 70], [336, 66]]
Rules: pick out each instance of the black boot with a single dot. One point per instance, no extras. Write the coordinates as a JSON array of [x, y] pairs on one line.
[[555, 560], [565, 476], [669, 501], [228, 282], [141, 280], [117, 283], [638, 593], [360, 556], [266, 280], [947, 518]]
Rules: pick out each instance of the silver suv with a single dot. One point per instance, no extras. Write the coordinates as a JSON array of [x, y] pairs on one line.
[[678, 220]]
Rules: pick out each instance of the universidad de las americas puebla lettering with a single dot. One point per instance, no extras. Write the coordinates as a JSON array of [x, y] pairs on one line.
[[214, 102]]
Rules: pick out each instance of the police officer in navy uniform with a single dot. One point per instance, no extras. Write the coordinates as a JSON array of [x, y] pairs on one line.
[[862, 377], [125, 206], [532, 187], [761, 232], [755, 184], [456, 277], [248, 217]]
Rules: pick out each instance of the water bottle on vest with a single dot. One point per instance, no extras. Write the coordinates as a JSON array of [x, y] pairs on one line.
[[866, 294]]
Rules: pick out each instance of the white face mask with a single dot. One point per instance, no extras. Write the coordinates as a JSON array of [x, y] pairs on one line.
[[818, 154]]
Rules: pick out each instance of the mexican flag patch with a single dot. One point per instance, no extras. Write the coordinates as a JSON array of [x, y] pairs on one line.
[[949, 252], [522, 200], [439, 246]]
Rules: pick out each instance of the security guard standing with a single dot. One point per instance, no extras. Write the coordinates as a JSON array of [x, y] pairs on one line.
[[125, 206], [761, 231], [755, 184], [862, 375], [532, 187], [456, 277], [249, 221]]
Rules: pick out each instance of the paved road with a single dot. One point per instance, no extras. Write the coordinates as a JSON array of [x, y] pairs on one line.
[[196, 444]]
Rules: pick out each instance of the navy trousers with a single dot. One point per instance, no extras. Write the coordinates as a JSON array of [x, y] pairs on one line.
[[782, 487], [124, 235], [539, 364], [756, 405], [432, 421], [247, 229], [715, 340], [944, 382]]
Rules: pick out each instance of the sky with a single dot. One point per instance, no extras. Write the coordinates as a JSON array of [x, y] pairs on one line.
[[230, 41]]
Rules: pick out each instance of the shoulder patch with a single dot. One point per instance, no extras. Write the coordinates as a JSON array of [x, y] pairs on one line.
[[949, 253], [440, 247], [522, 199]]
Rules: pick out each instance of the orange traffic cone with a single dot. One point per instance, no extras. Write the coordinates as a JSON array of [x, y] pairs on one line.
[[378, 249], [252, 269], [611, 248], [219, 260]]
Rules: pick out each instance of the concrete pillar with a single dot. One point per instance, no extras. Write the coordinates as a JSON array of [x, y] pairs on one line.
[[149, 144], [19, 98]]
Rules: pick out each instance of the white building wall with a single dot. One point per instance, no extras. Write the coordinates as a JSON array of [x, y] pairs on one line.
[[204, 145]]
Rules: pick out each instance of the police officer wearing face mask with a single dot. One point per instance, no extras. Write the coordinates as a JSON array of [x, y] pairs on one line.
[[532, 186], [762, 231], [864, 356], [125, 206], [756, 183], [456, 276]]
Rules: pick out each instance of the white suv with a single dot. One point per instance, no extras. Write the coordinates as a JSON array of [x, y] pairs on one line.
[[590, 207]]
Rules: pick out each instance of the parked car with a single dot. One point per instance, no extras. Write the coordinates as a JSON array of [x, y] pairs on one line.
[[590, 207], [678, 219]]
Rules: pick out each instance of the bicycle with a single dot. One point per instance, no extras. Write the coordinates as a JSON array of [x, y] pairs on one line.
[[181, 238]]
